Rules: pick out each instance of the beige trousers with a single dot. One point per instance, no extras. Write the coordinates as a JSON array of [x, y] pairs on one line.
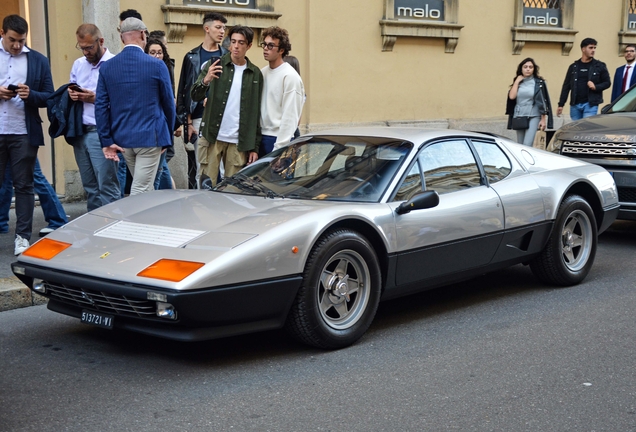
[[210, 156], [142, 163]]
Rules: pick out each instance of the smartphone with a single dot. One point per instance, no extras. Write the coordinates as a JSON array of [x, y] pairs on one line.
[[75, 87], [13, 87], [213, 59]]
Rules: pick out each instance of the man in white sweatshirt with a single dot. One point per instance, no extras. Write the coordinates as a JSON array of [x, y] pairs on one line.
[[283, 92]]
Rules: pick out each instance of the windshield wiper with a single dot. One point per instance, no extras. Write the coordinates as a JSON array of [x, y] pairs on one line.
[[246, 183]]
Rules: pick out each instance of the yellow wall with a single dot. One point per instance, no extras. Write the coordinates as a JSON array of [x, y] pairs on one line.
[[64, 18], [349, 79]]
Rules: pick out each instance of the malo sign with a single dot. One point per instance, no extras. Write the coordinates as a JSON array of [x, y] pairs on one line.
[[419, 9], [239, 4], [542, 17]]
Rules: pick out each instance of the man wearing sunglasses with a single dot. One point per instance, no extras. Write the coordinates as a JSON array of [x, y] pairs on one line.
[[99, 175], [283, 92]]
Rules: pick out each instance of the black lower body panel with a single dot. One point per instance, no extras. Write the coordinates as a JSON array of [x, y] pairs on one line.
[[200, 314]]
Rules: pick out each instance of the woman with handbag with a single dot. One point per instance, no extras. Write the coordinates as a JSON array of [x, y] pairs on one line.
[[528, 106]]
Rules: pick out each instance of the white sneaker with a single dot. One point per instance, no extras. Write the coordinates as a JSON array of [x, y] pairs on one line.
[[21, 244], [46, 230]]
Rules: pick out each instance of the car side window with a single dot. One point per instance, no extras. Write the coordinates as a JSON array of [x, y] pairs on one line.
[[449, 166], [496, 163], [411, 185]]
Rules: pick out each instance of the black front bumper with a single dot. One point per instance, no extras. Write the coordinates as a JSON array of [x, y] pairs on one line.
[[202, 314]]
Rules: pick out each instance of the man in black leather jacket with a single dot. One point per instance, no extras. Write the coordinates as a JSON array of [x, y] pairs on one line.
[[586, 79], [188, 111]]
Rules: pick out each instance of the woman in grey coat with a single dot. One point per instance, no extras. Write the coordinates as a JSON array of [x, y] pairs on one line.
[[528, 97]]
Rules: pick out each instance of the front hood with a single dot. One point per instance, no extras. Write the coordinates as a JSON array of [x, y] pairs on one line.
[[238, 238], [206, 210], [616, 127]]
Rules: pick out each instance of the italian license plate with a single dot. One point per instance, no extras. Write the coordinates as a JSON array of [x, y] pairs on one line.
[[97, 319]]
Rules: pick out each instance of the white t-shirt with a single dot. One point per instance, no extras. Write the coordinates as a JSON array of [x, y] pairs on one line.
[[229, 130], [282, 102]]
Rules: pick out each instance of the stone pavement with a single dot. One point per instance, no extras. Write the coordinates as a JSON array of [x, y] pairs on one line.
[[13, 293]]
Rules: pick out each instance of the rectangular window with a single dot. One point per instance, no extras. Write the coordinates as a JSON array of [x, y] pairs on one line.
[[544, 21], [542, 13], [420, 9], [239, 4], [542, 4], [631, 16]]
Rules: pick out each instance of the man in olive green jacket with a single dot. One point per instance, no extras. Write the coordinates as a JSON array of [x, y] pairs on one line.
[[230, 128]]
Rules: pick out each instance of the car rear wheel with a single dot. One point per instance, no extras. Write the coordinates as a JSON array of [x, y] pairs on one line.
[[569, 254], [340, 292]]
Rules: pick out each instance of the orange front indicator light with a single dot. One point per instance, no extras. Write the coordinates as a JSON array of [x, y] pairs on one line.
[[46, 249], [170, 270]]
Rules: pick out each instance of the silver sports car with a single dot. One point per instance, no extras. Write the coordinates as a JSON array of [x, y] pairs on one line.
[[313, 236]]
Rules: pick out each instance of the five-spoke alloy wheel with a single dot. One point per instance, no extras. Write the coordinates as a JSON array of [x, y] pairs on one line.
[[569, 254], [340, 292]]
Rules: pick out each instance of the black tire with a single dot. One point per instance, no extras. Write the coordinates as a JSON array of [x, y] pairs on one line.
[[569, 254], [341, 265]]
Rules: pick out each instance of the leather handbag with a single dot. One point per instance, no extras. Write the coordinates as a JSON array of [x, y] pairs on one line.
[[519, 123]]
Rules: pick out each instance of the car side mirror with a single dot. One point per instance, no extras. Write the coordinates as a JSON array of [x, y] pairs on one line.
[[424, 200], [605, 109]]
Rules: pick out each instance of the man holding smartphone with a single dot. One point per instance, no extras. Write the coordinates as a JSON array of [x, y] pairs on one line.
[[99, 175], [20, 123], [230, 131]]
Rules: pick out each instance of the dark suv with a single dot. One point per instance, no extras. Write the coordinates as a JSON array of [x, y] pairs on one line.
[[608, 140]]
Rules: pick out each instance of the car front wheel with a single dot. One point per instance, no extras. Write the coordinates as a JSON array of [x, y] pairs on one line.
[[569, 254], [340, 292]]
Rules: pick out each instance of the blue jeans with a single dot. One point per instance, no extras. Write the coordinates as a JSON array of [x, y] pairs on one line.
[[122, 171], [582, 110], [99, 175], [163, 180], [267, 145], [54, 213]]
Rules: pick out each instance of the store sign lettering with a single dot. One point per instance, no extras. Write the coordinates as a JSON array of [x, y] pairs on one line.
[[420, 9], [542, 17], [631, 22], [226, 3]]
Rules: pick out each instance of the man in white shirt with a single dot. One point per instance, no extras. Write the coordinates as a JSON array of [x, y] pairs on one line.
[[625, 77], [283, 92], [99, 175], [25, 85]]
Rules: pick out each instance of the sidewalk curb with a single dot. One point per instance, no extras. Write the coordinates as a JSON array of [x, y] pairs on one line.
[[14, 295]]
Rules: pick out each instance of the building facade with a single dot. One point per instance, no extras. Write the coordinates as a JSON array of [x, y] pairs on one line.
[[428, 63]]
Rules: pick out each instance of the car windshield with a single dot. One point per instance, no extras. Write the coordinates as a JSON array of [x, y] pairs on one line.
[[338, 168], [626, 103]]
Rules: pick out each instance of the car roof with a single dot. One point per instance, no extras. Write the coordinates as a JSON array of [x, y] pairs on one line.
[[413, 134]]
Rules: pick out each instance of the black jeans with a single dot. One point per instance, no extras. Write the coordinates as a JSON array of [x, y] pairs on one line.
[[22, 155]]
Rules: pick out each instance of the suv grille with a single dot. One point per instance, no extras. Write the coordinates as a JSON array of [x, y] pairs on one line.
[[110, 303], [628, 150], [627, 195]]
